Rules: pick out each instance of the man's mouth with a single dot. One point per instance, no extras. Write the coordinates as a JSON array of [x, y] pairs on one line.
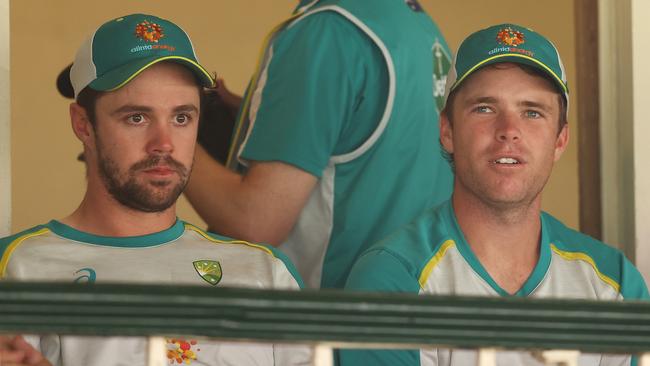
[[507, 161], [160, 170]]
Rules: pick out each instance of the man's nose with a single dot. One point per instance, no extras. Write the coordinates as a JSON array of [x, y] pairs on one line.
[[508, 127], [160, 139]]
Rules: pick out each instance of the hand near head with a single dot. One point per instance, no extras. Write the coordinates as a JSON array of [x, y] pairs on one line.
[[15, 351], [229, 98]]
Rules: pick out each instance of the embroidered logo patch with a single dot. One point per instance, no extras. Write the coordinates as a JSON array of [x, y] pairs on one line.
[[150, 32], [180, 351], [510, 37], [209, 270]]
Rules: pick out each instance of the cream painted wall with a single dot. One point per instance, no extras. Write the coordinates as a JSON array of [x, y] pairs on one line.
[[47, 180], [5, 122], [640, 85]]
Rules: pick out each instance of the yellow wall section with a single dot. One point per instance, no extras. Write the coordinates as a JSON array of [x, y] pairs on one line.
[[47, 180]]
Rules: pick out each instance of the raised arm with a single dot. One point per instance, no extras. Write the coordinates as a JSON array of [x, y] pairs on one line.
[[259, 207]]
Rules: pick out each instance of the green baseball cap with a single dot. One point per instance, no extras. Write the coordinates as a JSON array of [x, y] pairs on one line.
[[120, 49], [507, 43]]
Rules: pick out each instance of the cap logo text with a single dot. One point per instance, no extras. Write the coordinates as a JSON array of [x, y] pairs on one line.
[[149, 32]]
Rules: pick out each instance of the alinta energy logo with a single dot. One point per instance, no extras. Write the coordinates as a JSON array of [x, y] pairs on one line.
[[512, 39], [151, 33]]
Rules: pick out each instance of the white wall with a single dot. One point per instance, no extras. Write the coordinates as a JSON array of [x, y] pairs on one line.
[[624, 34], [616, 124], [5, 131], [641, 101]]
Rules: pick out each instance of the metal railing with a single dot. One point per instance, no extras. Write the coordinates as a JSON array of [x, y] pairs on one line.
[[327, 318]]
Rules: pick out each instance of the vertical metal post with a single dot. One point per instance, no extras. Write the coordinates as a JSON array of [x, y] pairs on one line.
[[5, 130], [156, 352], [323, 355], [487, 357]]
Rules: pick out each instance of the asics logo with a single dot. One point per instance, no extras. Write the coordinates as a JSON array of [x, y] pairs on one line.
[[86, 275]]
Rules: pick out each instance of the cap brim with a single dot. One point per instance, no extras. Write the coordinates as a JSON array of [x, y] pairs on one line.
[[120, 76], [519, 59]]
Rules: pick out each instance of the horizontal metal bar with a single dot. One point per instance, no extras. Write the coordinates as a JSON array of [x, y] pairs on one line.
[[399, 320]]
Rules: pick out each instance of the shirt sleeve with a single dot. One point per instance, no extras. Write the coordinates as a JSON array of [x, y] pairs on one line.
[[633, 287], [308, 92], [380, 271]]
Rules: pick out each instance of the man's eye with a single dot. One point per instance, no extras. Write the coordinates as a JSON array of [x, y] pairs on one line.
[[483, 109], [135, 118], [182, 119], [533, 114]]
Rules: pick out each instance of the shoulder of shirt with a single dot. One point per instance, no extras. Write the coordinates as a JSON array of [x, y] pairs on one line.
[[609, 263], [565, 238], [329, 22], [17, 238], [10, 243], [269, 250], [415, 244], [220, 239]]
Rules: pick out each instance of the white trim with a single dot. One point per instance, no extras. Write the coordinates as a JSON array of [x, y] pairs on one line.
[[314, 227], [83, 70], [344, 158], [256, 101], [5, 121], [307, 6]]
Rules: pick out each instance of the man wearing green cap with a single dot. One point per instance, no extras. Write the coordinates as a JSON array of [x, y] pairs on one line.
[[137, 86], [504, 125]]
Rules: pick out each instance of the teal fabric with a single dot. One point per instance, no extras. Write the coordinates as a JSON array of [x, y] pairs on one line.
[[534, 50], [392, 272], [333, 92], [396, 263], [174, 232], [119, 53], [325, 93]]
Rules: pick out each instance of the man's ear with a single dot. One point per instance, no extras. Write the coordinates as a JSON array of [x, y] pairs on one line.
[[561, 142], [446, 132], [81, 125]]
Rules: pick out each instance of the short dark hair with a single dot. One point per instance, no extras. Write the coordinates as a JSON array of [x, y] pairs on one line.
[[87, 99], [529, 70]]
